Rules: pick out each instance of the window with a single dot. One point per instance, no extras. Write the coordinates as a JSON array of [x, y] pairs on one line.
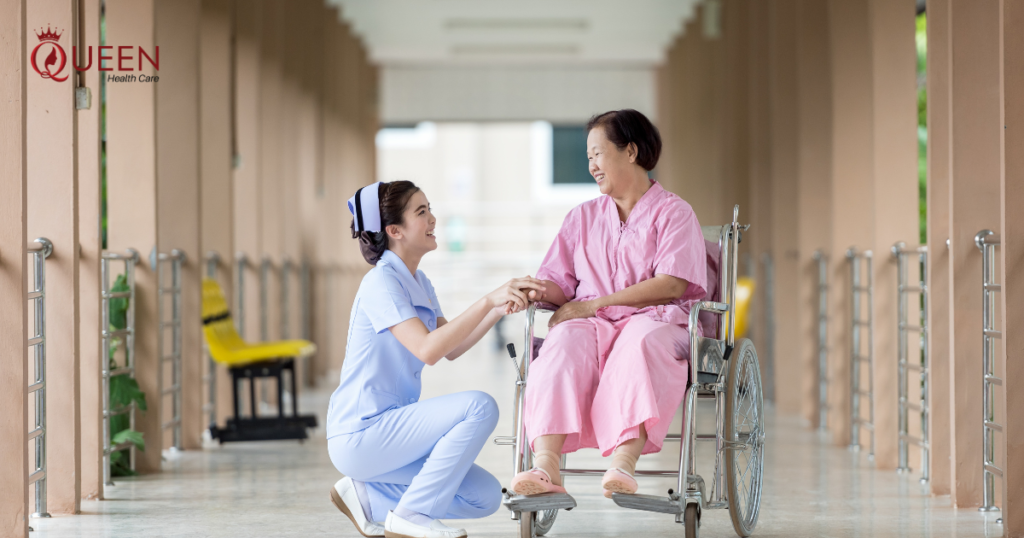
[[569, 155]]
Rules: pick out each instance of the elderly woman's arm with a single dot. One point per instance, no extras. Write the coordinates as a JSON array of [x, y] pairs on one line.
[[662, 289]]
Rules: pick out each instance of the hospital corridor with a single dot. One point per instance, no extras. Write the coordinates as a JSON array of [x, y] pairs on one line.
[[559, 268]]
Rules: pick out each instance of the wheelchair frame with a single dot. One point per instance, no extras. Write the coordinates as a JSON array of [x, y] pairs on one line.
[[710, 373]]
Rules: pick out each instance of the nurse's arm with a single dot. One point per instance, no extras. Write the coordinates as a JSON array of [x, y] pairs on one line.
[[451, 338]]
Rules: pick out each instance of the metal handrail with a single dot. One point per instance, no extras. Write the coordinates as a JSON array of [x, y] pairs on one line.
[[130, 260], [903, 326], [241, 262], [265, 267], [176, 258], [987, 241], [213, 260], [286, 269], [40, 249], [822, 259], [769, 326], [859, 291]]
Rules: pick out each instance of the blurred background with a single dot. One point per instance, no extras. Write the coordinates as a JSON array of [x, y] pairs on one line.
[[157, 143]]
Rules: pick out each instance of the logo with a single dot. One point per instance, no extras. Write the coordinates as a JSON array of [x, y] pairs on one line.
[[52, 39]]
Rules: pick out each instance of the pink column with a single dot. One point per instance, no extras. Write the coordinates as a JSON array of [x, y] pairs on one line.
[[53, 213], [216, 131], [974, 201], [939, 306], [785, 189], [814, 176], [14, 507], [88, 157], [1012, 257]]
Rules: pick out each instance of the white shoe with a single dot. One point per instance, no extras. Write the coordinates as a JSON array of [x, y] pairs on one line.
[[396, 527], [343, 495]]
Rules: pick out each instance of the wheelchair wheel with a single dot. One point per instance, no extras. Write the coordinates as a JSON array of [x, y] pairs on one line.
[[534, 524], [744, 437], [692, 523]]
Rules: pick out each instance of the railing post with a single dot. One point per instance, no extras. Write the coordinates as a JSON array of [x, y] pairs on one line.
[[286, 269], [987, 240], [241, 262], [858, 291], [904, 365], [40, 250], [769, 325], [108, 370], [822, 260], [212, 262], [176, 258]]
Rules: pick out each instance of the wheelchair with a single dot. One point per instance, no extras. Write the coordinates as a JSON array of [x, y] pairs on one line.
[[722, 369]]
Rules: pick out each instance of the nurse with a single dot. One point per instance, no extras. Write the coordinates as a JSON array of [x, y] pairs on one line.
[[409, 463]]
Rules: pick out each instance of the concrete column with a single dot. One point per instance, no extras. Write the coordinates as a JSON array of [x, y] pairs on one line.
[[53, 213], [247, 172], [852, 188], [14, 508], [88, 158], [1012, 257], [216, 131], [131, 204], [760, 173], [974, 201], [939, 306], [785, 190], [273, 149], [896, 214], [734, 108], [814, 185], [177, 196], [153, 200]]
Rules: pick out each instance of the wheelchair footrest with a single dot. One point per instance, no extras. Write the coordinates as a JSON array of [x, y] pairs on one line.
[[541, 502], [649, 503]]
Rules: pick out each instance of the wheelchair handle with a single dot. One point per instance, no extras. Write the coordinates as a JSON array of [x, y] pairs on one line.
[[512, 353]]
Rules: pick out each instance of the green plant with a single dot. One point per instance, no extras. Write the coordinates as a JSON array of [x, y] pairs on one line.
[[124, 390]]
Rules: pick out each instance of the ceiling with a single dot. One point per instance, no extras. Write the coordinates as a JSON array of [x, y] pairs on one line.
[[520, 32]]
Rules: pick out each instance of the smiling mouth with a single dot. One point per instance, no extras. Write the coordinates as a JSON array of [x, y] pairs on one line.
[[430, 233]]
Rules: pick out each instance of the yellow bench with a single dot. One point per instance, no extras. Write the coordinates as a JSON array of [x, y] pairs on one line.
[[253, 361]]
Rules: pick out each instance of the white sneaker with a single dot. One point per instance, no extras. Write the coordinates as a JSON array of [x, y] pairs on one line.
[[396, 527], [344, 496]]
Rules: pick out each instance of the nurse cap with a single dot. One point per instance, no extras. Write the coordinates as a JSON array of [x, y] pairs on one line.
[[365, 207]]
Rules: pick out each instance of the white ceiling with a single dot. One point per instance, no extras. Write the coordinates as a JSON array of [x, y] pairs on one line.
[[519, 32]]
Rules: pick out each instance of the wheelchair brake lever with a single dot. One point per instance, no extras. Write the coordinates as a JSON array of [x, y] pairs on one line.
[[512, 353]]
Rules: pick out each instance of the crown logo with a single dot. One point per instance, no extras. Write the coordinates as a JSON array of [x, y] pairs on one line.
[[48, 35]]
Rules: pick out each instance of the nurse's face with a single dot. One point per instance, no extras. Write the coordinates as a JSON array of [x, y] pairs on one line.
[[416, 233], [614, 169]]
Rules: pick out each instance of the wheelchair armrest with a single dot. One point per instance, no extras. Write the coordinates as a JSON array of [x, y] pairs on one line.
[[695, 310]]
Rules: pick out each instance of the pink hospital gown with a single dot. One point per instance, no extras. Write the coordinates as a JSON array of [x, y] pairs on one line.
[[597, 379]]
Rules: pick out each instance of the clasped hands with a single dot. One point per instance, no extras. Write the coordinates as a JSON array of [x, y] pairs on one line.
[[516, 295]]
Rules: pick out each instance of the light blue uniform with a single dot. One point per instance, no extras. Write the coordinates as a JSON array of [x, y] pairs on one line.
[[418, 455]]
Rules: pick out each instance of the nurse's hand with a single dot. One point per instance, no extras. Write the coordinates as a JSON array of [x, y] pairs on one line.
[[574, 310], [513, 294]]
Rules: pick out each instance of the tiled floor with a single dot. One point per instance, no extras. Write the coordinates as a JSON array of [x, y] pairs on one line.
[[281, 488]]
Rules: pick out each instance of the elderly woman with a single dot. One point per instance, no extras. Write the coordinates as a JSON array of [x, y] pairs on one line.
[[624, 270]]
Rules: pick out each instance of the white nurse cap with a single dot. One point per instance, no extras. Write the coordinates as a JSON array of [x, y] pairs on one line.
[[365, 207]]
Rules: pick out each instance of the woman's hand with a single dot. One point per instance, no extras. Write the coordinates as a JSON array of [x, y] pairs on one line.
[[513, 294], [574, 310]]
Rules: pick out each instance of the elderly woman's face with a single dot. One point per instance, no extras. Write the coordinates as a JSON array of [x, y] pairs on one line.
[[612, 168]]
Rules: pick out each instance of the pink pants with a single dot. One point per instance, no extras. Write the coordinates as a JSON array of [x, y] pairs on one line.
[[598, 380]]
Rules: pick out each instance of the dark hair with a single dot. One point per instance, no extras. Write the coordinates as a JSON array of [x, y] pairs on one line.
[[393, 197], [627, 126]]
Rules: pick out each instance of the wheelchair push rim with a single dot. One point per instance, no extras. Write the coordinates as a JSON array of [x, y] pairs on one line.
[[744, 438]]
